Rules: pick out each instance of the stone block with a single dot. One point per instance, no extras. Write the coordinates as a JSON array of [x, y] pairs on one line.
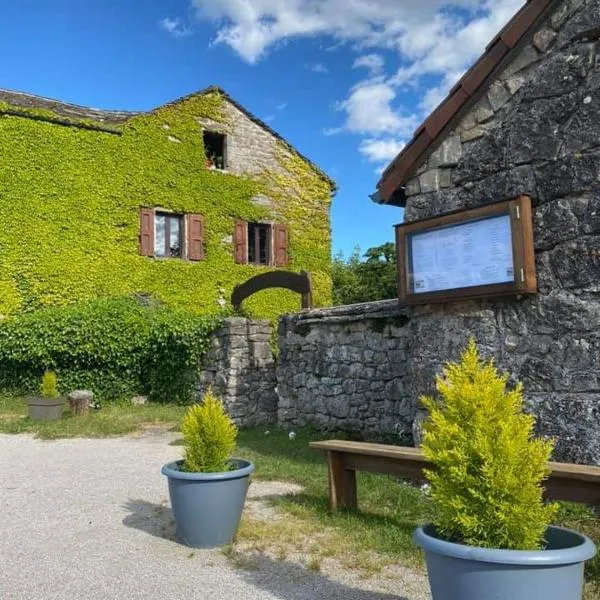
[[447, 154], [484, 111], [430, 181], [472, 134], [544, 38], [525, 58], [412, 187], [498, 96]]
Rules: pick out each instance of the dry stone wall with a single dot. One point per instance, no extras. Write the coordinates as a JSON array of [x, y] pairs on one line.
[[241, 369]]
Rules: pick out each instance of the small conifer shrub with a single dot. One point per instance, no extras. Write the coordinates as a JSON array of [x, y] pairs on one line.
[[209, 436], [487, 482], [49, 385]]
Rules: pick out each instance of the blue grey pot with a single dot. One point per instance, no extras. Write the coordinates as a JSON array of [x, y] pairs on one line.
[[207, 507], [460, 572]]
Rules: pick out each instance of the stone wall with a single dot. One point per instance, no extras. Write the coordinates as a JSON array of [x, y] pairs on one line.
[[241, 369], [536, 131], [345, 369]]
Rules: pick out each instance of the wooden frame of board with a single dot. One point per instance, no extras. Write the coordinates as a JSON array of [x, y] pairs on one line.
[[521, 222]]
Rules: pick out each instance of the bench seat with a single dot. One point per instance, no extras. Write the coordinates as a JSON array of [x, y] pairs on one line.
[[575, 483]]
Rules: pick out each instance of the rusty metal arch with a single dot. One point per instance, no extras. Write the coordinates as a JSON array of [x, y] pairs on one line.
[[296, 282]]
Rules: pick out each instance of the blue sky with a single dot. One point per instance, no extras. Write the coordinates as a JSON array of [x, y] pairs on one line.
[[345, 83]]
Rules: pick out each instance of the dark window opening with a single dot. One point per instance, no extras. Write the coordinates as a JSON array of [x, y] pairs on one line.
[[168, 235], [214, 149], [259, 244]]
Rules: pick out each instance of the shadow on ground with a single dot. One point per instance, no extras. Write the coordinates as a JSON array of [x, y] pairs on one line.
[[290, 581], [155, 519]]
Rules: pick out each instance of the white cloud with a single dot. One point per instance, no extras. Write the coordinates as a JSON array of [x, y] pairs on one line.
[[429, 42], [175, 27], [368, 110], [381, 150], [374, 63], [317, 68], [282, 106]]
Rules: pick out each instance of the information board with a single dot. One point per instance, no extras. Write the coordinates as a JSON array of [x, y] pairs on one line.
[[479, 252], [465, 255]]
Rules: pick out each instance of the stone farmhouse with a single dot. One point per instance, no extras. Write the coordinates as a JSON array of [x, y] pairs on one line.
[[180, 203]]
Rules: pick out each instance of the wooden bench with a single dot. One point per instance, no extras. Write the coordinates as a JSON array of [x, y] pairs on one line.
[[576, 483]]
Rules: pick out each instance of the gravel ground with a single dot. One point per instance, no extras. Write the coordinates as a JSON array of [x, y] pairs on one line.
[[86, 519]]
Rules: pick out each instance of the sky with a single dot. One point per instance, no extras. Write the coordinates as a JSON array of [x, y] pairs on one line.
[[344, 81]]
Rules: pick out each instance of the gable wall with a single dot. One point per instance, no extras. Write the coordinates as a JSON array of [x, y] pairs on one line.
[[536, 132]]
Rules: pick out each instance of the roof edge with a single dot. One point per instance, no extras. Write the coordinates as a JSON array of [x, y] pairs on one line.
[[460, 98]]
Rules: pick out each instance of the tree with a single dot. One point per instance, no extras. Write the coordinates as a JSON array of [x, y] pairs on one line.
[[356, 280]]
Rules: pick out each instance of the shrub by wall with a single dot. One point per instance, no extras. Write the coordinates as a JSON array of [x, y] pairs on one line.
[[116, 347]]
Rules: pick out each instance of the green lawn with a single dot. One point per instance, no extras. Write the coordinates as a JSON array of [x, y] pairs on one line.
[[382, 528], [389, 509], [111, 420]]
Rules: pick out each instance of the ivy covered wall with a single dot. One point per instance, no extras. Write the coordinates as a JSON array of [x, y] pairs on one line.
[[70, 199]]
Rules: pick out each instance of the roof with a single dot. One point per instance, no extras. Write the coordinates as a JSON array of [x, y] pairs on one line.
[[107, 120], [461, 97]]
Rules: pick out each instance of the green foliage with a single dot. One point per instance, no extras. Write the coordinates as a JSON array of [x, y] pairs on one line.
[[209, 436], [49, 385], [116, 347], [365, 281], [69, 215], [489, 468]]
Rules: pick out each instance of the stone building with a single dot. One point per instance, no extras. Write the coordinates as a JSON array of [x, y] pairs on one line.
[[525, 119], [180, 203]]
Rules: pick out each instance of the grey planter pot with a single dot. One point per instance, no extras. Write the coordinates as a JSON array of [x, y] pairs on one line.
[[45, 409], [460, 572], [207, 507]]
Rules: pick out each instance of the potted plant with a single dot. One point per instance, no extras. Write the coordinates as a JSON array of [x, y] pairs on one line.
[[208, 488], [49, 406], [490, 537]]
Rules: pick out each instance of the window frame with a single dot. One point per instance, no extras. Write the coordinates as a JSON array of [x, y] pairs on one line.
[[268, 227], [206, 131], [182, 234]]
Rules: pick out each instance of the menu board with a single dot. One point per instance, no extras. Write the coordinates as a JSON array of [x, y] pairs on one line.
[[474, 253]]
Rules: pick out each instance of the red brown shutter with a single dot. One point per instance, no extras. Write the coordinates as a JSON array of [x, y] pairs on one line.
[[147, 231], [240, 242], [280, 245], [195, 237]]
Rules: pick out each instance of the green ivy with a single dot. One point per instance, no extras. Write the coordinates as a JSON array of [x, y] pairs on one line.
[[116, 347], [70, 196]]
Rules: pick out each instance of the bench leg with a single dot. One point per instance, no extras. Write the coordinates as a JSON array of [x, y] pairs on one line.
[[342, 483]]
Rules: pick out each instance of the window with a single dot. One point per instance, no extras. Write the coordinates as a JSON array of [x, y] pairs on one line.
[[214, 149], [168, 235], [259, 244], [168, 232]]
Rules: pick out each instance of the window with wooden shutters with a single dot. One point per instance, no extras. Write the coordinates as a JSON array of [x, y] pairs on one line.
[[280, 245], [240, 242], [146, 232], [195, 237]]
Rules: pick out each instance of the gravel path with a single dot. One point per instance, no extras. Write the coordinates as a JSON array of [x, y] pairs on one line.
[[86, 519]]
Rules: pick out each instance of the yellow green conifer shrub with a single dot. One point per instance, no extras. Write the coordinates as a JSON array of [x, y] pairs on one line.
[[209, 436], [49, 385], [487, 482]]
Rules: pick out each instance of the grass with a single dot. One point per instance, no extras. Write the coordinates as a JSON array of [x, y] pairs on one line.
[[376, 535], [111, 420]]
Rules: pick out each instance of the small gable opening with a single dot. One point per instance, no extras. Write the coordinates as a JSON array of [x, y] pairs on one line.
[[214, 149]]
